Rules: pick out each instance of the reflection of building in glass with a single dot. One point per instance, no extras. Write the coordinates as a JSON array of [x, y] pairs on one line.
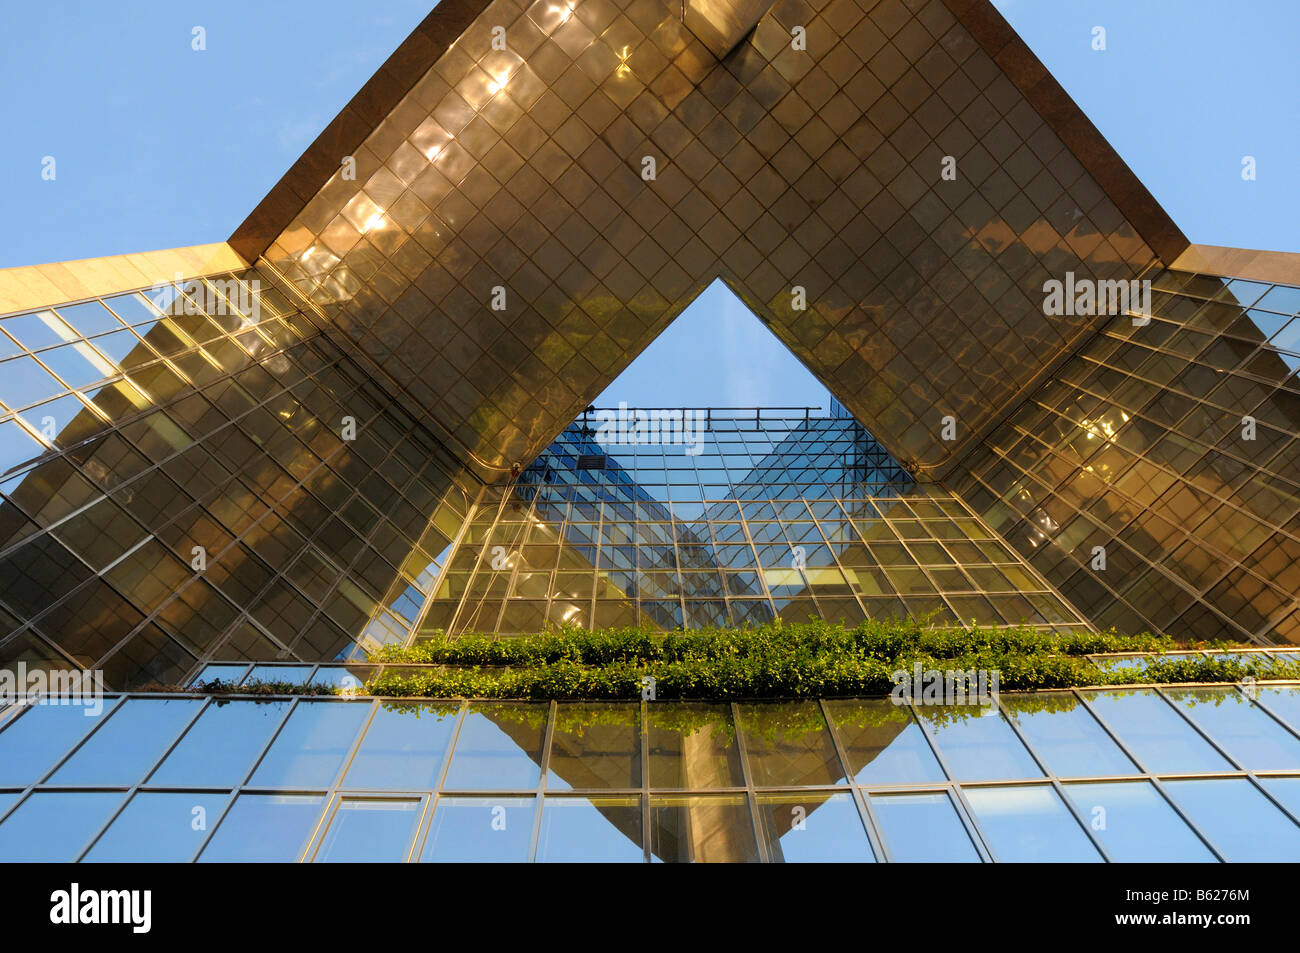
[[293, 447], [836, 780]]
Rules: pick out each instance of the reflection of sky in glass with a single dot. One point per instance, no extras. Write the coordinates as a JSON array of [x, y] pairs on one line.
[[1066, 736], [1238, 819], [884, 743], [311, 746], [1283, 701], [1029, 823], [132, 739], [369, 830], [1134, 823], [63, 822], [480, 830], [1239, 726], [590, 830], [265, 828], [922, 828], [814, 828], [159, 828], [403, 749], [40, 736], [488, 758], [1155, 733], [219, 748], [977, 743]]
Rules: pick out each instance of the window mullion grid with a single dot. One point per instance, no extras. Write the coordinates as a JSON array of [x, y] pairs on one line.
[[248, 774], [1155, 782], [865, 813], [954, 791]]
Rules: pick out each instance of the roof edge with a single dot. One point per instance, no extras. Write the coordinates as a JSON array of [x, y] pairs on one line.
[[1275, 267], [349, 129], [991, 30], [29, 287]]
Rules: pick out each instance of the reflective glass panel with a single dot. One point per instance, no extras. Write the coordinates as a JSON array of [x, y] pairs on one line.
[[370, 830], [590, 830], [693, 746], [1286, 790], [218, 749], [708, 829], [1238, 819], [1066, 736], [1030, 823], [310, 748], [265, 828], [404, 747], [1239, 726], [1134, 823], [813, 827], [1282, 700], [293, 674], [129, 743], [55, 826], [480, 830], [923, 828], [787, 743], [883, 742], [158, 827], [220, 672], [595, 746], [977, 744], [499, 747], [1155, 733], [31, 744]]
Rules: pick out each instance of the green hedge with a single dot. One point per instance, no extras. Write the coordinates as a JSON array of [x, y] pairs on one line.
[[803, 660]]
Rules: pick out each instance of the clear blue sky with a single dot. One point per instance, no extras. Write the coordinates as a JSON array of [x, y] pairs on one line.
[[160, 146]]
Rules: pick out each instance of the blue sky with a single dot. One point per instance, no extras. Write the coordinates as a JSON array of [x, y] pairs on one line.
[[159, 146]]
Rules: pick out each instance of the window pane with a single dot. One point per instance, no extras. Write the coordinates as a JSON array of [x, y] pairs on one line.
[[1238, 819], [1134, 823], [884, 743], [813, 828], [1282, 700], [1240, 727], [370, 830], [480, 830], [404, 748], [294, 674], [54, 826], [219, 748], [31, 744], [1155, 733], [221, 672], [977, 743], [595, 746], [590, 830], [923, 827], [499, 748], [787, 743], [159, 828], [311, 747], [266, 828], [129, 743], [693, 746], [716, 829], [1066, 736], [1029, 823], [1286, 790]]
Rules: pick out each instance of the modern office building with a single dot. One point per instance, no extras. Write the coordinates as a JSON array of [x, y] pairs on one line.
[[364, 419]]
